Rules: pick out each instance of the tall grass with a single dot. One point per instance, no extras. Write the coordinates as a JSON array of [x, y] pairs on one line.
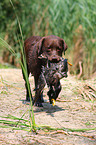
[[58, 17], [23, 67]]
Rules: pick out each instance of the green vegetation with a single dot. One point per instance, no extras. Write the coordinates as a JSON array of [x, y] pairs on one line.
[[23, 66], [5, 66], [16, 123], [75, 21]]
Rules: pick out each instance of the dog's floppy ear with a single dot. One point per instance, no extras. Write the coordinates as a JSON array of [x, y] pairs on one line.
[[40, 45], [64, 46]]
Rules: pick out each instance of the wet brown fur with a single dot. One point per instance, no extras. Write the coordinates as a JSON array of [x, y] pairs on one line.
[[50, 46]]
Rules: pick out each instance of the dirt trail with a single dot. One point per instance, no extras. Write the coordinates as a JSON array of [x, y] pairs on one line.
[[71, 111]]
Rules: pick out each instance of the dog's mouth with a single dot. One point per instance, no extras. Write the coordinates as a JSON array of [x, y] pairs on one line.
[[54, 60]]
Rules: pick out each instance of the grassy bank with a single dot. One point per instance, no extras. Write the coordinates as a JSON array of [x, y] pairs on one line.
[[74, 21]]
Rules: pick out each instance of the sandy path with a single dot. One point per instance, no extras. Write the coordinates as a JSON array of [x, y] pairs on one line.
[[73, 112]]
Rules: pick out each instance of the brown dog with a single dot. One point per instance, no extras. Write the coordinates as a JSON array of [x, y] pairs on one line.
[[50, 47]]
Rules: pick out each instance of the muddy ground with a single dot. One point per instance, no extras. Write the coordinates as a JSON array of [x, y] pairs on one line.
[[72, 110]]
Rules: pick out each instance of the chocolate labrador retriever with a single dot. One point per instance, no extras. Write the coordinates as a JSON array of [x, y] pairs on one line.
[[36, 49]]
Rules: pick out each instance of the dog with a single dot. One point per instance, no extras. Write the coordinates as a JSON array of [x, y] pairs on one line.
[[49, 47]]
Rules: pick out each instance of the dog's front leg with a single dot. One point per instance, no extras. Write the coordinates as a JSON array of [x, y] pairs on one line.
[[39, 86]]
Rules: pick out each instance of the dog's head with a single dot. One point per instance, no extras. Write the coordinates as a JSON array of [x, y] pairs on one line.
[[51, 47]]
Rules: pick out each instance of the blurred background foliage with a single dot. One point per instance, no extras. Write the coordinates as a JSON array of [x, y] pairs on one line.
[[72, 20]]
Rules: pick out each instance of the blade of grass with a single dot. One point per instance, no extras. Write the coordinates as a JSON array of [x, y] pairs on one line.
[[14, 118], [14, 123], [5, 44], [14, 128], [24, 69], [18, 21], [39, 127]]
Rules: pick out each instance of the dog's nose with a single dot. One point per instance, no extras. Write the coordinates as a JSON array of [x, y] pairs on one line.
[[55, 59]]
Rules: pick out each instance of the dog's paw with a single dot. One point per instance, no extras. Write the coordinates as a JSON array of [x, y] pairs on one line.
[[38, 104]]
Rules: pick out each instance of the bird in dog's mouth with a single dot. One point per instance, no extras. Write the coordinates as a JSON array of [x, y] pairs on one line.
[[52, 73]]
